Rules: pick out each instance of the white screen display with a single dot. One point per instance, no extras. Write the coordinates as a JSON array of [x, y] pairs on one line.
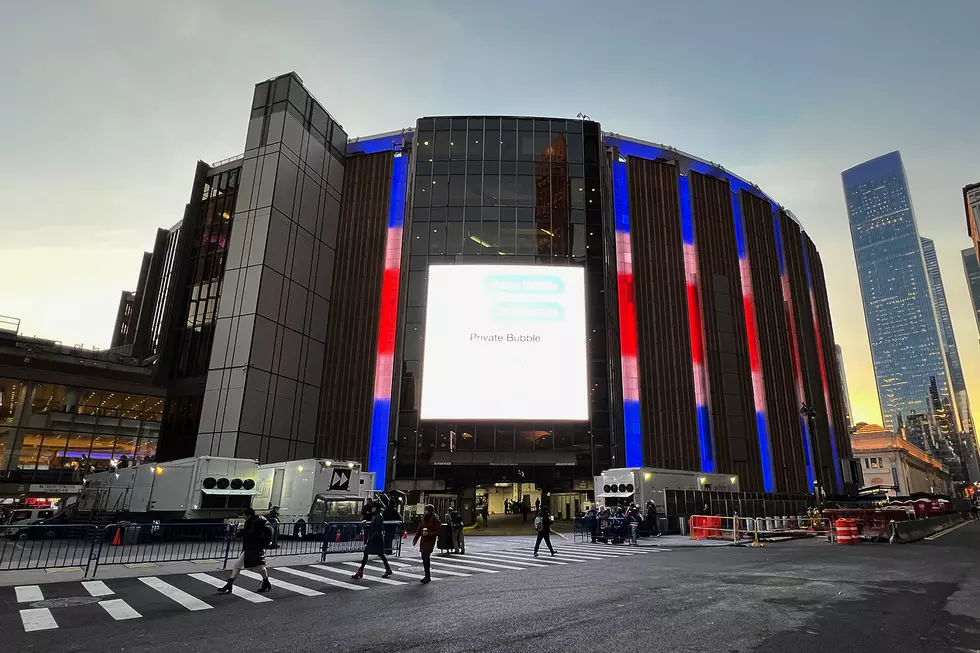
[[505, 342]]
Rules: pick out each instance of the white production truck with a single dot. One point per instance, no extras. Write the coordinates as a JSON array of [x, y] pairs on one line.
[[313, 491], [617, 487], [190, 489]]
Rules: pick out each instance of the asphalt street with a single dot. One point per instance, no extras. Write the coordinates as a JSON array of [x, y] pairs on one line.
[[793, 596]]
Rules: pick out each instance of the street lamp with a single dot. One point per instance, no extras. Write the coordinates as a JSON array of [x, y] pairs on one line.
[[807, 411]]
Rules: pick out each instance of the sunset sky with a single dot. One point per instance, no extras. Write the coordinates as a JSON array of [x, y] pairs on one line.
[[108, 105]]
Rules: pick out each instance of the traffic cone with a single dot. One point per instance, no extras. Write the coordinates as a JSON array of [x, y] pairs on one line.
[[404, 535], [117, 540], [338, 537]]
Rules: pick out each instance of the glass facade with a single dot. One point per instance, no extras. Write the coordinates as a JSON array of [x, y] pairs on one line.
[[962, 401], [59, 432], [971, 268], [906, 345], [500, 191]]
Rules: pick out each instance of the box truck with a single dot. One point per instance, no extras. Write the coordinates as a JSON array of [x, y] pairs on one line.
[[204, 488], [623, 486], [312, 492]]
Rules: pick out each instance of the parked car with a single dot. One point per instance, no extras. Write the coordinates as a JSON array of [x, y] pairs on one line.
[[53, 527]]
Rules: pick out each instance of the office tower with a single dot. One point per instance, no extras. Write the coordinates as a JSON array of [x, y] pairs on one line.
[[960, 397], [906, 345], [843, 383], [971, 267]]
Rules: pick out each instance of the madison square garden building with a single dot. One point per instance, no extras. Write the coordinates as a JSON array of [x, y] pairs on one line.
[[483, 300]]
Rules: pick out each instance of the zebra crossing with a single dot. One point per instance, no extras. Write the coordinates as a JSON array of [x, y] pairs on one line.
[[64, 605]]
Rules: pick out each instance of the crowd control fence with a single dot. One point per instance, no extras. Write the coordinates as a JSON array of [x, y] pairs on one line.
[[88, 546]]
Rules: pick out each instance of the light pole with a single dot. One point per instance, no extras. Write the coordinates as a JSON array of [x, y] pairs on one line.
[[807, 411]]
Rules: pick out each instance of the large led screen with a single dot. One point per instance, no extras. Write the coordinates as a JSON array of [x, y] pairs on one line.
[[505, 342]]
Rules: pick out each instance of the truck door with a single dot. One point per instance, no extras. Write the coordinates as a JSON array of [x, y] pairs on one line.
[[277, 487]]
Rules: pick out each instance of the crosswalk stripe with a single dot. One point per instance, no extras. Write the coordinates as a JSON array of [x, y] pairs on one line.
[[329, 581], [545, 560], [97, 588], [571, 557], [175, 594], [37, 619], [459, 565], [483, 563], [28, 593], [299, 589], [593, 550], [377, 568], [235, 589], [594, 555], [502, 558], [119, 609], [447, 572]]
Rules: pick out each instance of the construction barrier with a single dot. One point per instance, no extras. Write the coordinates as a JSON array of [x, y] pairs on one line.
[[716, 527], [905, 532]]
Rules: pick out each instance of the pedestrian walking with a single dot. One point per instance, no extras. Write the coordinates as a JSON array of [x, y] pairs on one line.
[[485, 513], [256, 536], [653, 519], [542, 523], [456, 522], [425, 538], [374, 543]]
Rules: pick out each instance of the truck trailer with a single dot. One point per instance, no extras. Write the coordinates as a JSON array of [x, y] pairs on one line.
[[313, 491], [623, 486], [199, 489]]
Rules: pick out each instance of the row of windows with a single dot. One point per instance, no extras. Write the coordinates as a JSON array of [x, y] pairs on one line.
[[32, 450], [496, 123], [502, 214], [475, 145], [493, 168], [499, 239], [487, 436], [504, 190], [50, 398]]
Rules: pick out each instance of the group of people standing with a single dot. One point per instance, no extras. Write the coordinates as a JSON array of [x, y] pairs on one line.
[[619, 522]]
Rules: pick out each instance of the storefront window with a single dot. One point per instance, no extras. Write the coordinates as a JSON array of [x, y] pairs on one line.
[[48, 398], [147, 450], [52, 451], [25, 453], [11, 396]]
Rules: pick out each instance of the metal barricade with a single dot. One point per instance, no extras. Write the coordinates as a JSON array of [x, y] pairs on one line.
[[134, 544], [348, 537], [47, 546], [716, 527]]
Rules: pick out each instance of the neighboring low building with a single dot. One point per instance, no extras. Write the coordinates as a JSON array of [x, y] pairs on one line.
[[888, 459], [64, 409]]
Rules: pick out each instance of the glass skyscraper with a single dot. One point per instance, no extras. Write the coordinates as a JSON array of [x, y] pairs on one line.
[[971, 267], [946, 333], [906, 345]]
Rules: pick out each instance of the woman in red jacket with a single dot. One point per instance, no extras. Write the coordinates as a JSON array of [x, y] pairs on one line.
[[425, 537]]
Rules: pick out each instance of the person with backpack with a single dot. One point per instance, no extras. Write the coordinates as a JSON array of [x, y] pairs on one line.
[[542, 524], [456, 522], [374, 543], [256, 536]]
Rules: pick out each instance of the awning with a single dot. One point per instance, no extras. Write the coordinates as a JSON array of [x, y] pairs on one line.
[[228, 491]]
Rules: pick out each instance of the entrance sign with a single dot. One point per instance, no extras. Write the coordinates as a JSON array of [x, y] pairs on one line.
[[505, 342]]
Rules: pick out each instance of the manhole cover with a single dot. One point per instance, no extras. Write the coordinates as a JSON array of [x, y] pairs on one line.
[[65, 602]]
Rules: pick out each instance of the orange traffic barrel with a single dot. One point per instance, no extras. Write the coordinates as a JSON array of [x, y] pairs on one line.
[[847, 532]]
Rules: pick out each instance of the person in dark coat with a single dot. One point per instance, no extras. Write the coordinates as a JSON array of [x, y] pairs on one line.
[[425, 538], [256, 536], [374, 543], [273, 519], [653, 521], [542, 523]]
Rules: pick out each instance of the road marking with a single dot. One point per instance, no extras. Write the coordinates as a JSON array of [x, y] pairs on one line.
[[480, 557], [597, 551], [596, 554], [28, 593], [174, 594], [97, 588], [526, 563], [478, 560], [377, 568], [435, 571], [235, 589], [948, 530], [37, 619], [119, 609], [344, 572], [457, 565], [299, 589]]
